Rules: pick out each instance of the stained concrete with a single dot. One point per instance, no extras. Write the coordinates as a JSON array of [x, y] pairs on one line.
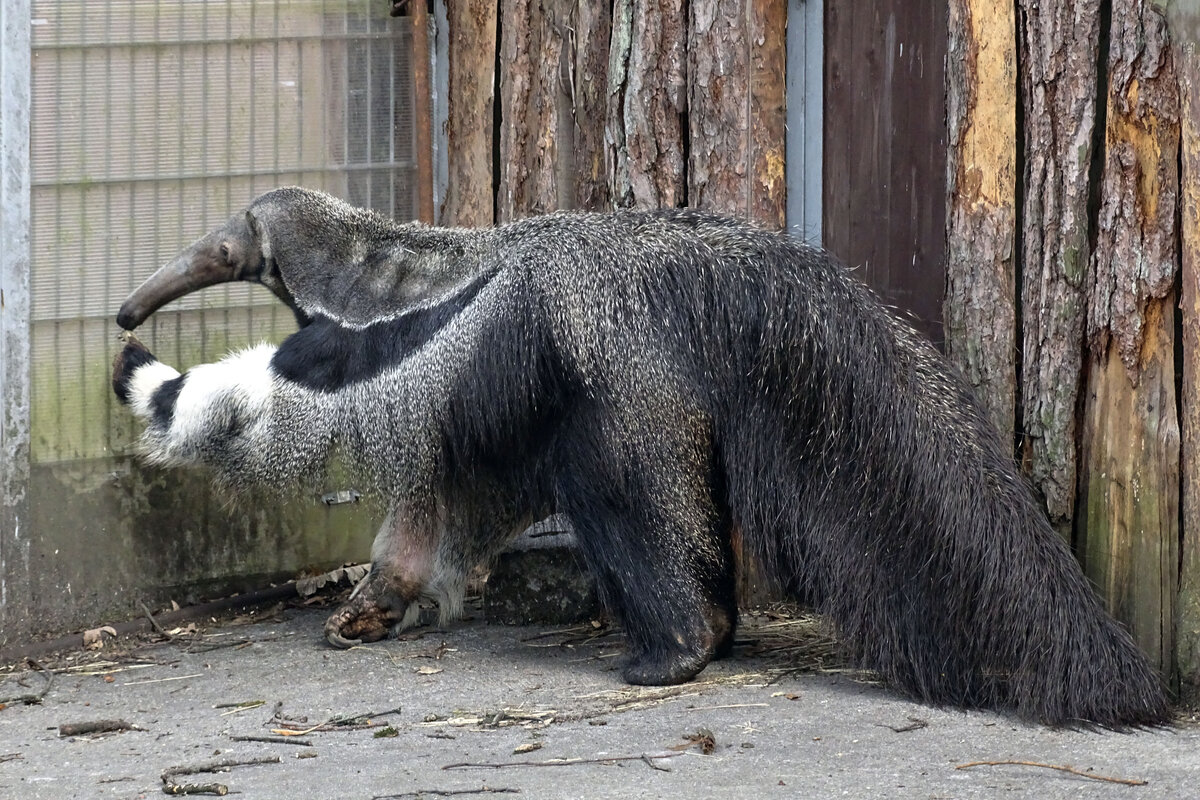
[[776, 735]]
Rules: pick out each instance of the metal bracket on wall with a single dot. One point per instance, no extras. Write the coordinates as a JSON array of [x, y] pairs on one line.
[[341, 497]]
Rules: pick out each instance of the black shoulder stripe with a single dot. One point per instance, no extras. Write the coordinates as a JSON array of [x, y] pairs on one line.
[[327, 356], [162, 403]]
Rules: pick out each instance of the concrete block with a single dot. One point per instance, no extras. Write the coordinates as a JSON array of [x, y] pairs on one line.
[[541, 580]]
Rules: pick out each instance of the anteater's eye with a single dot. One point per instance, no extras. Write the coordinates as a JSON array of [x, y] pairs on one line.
[[224, 251]]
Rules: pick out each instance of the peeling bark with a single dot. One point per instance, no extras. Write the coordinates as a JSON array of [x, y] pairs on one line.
[[469, 125], [1129, 526], [647, 100], [980, 309], [737, 114], [1058, 41]]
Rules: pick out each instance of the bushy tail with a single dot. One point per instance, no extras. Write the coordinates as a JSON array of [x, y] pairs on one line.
[[873, 488]]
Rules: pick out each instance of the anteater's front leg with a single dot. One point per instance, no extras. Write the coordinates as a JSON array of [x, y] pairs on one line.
[[387, 599]]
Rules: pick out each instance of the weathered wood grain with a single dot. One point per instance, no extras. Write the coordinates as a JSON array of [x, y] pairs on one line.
[[1188, 628], [469, 126], [647, 100], [1059, 41], [980, 311], [736, 111], [1129, 527]]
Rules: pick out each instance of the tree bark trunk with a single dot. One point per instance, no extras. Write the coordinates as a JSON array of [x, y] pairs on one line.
[[1129, 531], [647, 100], [736, 114], [1188, 628], [1058, 45], [536, 137], [980, 310], [469, 126], [590, 36]]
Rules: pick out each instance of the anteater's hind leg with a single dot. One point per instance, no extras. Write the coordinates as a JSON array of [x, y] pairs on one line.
[[650, 523]]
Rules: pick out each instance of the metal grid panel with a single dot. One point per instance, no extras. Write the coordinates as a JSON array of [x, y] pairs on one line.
[[152, 121]]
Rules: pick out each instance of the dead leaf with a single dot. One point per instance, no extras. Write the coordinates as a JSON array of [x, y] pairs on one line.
[[352, 573], [427, 670], [702, 737], [109, 679], [528, 747], [94, 639]]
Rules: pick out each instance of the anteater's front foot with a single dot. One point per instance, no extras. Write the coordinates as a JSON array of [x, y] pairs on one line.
[[370, 615]]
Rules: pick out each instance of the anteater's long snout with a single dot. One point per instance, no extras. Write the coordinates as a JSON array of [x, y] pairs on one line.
[[199, 266]]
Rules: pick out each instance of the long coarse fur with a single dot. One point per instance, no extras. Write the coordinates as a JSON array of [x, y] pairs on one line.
[[663, 379]]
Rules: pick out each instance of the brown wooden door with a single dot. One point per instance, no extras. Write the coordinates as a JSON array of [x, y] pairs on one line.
[[884, 202]]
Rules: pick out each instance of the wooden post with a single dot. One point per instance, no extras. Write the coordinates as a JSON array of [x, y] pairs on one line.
[[1058, 46], [590, 35], [422, 111], [647, 98], [1129, 483], [1185, 33], [736, 111], [981, 172], [470, 126]]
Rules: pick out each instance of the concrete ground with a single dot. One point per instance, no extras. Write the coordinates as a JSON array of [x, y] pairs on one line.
[[529, 713]]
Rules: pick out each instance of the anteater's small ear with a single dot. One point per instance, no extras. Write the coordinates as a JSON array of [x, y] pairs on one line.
[[260, 232]]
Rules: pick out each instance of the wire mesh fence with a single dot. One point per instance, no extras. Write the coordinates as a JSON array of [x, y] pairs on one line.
[[154, 120]]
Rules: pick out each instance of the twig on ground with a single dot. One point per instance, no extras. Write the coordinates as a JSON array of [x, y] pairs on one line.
[[915, 724], [170, 787], [220, 765], [218, 789], [273, 740], [342, 722], [237, 708], [419, 793], [10, 757], [162, 680], [154, 623], [1059, 767], [559, 762], [32, 698], [96, 726]]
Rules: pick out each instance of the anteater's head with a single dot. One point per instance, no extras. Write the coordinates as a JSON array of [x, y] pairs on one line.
[[239, 250]]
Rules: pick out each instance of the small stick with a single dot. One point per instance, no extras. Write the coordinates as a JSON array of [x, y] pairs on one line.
[[98, 726], [162, 680], [914, 724], [10, 757], [32, 698], [243, 704], [565, 762], [446, 793], [358, 718], [238, 708], [272, 740], [734, 705], [154, 623], [218, 789], [217, 766], [1059, 767]]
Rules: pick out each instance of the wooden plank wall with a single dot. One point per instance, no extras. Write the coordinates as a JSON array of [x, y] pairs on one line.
[[884, 206], [1101, 136], [658, 103]]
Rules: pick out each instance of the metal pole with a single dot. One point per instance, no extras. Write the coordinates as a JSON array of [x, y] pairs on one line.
[[15, 30]]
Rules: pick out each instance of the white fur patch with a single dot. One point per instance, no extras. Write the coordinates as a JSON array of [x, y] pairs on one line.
[[144, 382], [239, 383]]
